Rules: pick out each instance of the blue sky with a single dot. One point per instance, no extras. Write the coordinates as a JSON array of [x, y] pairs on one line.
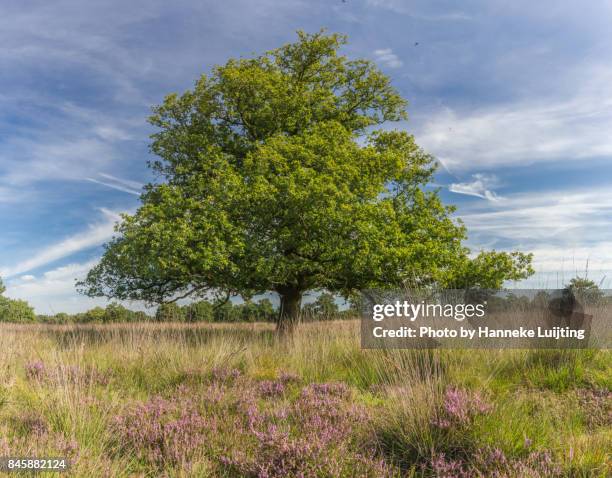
[[513, 98]]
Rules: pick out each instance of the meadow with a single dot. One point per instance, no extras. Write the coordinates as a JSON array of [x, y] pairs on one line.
[[231, 400]]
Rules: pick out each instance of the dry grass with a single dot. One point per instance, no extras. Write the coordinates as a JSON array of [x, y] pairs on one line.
[[90, 374]]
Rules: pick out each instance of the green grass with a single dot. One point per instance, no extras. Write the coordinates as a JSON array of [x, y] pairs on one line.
[[535, 397]]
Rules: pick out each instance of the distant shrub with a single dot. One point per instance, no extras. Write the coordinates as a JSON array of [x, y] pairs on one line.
[[95, 315], [201, 311], [113, 313], [140, 316], [585, 290], [227, 312], [19, 311], [169, 313], [324, 307], [249, 311], [117, 313], [62, 318], [261, 311]]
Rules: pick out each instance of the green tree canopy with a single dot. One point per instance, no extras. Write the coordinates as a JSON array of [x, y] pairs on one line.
[[169, 312], [277, 177], [200, 311], [488, 270], [12, 310], [324, 306]]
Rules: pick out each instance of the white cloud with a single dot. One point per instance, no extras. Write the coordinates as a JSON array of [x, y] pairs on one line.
[[61, 142], [126, 182], [480, 187], [11, 195], [54, 291], [417, 11], [114, 186], [542, 215], [565, 229], [57, 61], [95, 235], [127, 186], [32, 160], [388, 58], [562, 127]]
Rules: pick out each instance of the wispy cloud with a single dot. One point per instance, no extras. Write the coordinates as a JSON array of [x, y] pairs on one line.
[[25, 161], [568, 233], [117, 187], [388, 58], [562, 228], [126, 182], [415, 10], [11, 195], [95, 235], [481, 187], [126, 186], [560, 127], [54, 290]]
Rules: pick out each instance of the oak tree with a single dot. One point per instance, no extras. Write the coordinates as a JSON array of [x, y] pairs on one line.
[[277, 175]]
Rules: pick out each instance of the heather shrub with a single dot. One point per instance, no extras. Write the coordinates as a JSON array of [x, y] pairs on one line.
[[428, 420], [31, 434], [213, 400], [163, 432], [317, 435], [40, 443], [37, 371], [492, 462], [459, 409], [288, 377], [271, 388], [596, 405], [31, 423], [223, 374]]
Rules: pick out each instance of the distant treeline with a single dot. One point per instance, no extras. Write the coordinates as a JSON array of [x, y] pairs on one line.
[[202, 311], [263, 310], [325, 307]]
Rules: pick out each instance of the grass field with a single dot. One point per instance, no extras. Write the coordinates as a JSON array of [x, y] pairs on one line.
[[229, 400]]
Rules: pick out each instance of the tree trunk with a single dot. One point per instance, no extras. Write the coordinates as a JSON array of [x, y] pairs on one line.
[[289, 313]]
